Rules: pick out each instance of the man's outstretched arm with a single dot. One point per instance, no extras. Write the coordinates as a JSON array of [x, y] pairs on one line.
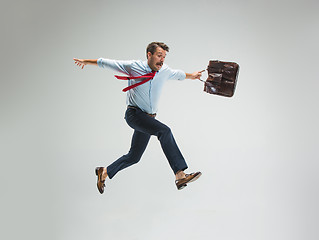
[[82, 62], [194, 75]]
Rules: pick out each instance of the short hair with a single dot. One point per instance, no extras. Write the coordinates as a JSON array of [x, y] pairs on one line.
[[153, 45]]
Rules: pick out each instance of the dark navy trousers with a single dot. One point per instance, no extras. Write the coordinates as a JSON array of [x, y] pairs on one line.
[[144, 126]]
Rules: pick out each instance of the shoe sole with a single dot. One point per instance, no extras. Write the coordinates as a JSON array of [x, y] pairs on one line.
[[181, 187], [195, 178]]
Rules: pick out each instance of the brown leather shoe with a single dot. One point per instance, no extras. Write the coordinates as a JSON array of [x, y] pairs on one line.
[[100, 184], [181, 183]]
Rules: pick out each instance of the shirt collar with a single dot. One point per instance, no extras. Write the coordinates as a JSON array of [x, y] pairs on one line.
[[148, 67]]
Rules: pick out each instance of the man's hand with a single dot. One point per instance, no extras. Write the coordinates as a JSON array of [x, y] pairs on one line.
[[82, 62], [194, 75]]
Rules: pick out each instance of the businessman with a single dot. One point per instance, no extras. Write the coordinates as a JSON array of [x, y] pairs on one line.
[[145, 82]]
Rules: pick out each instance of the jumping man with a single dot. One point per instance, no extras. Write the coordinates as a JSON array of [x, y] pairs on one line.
[[145, 82]]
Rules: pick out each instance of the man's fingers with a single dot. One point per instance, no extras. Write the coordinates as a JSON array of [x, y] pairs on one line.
[[199, 74], [79, 63]]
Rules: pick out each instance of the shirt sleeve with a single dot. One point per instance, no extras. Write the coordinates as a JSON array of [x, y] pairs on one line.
[[176, 74], [116, 65]]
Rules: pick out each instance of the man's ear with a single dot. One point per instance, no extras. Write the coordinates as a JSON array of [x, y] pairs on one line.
[[149, 54]]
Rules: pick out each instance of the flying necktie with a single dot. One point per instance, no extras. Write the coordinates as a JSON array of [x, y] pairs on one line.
[[147, 77]]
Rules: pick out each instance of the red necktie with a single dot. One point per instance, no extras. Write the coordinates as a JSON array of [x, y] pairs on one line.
[[147, 77]]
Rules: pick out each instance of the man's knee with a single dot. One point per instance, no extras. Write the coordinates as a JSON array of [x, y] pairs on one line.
[[164, 132], [133, 158]]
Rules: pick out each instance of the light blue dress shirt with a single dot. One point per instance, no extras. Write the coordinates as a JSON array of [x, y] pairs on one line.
[[145, 96]]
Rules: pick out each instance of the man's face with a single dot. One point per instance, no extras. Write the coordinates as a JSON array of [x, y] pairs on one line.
[[155, 61]]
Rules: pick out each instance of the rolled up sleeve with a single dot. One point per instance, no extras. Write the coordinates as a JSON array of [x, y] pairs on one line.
[[116, 65]]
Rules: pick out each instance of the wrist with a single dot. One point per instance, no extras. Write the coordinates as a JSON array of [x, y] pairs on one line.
[[91, 61], [190, 75]]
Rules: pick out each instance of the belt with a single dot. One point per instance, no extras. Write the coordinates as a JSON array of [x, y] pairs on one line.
[[149, 114]]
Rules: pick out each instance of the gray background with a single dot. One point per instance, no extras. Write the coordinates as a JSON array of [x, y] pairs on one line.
[[258, 151]]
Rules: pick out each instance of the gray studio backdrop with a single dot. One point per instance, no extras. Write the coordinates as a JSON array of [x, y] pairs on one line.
[[258, 151]]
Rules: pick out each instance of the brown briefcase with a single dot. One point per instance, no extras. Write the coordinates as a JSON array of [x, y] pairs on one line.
[[222, 78]]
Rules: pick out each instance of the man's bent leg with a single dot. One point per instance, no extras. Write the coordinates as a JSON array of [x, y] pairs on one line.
[[138, 146], [141, 122]]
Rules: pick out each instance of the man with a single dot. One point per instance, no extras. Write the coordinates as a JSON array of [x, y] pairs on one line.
[[145, 80]]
